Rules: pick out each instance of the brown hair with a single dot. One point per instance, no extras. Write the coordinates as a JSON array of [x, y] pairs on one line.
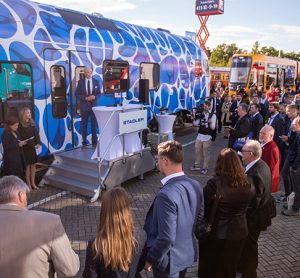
[[275, 105], [115, 242], [11, 120], [171, 150], [229, 165], [22, 113]]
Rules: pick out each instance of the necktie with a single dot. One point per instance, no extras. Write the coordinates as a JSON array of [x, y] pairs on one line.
[[89, 88]]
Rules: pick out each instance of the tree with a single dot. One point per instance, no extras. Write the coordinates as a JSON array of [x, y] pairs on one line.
[[255, 48], [221, 55]]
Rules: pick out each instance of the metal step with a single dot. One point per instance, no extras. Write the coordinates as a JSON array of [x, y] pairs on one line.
[[84, 175], [72, 185]]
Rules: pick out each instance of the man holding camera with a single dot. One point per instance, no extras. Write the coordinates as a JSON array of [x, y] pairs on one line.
[[207, 126]]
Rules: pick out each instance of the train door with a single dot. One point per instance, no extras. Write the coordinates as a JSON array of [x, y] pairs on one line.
[[63, 69]]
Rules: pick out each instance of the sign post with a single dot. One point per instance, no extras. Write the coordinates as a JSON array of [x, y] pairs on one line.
[[205, 8]]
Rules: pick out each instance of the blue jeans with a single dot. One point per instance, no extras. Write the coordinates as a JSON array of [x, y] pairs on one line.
[[295, 179]]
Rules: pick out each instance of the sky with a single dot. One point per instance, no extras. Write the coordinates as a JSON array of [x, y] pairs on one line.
[[270, 22]]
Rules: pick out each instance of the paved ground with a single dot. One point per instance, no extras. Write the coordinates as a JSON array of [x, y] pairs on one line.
[[279, 247]]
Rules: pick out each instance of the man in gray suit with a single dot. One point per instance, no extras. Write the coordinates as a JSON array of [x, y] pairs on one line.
[[32, 243]]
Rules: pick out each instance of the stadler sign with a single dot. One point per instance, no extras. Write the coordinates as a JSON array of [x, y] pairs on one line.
[[209, 7], [132, 121]]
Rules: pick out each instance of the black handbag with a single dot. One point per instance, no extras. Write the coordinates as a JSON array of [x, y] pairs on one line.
[[204, 227]]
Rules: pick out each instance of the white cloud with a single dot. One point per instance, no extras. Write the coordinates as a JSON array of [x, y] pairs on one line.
[[100, 6], [289, 30]]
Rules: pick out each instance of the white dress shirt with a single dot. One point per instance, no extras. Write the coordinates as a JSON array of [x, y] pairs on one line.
[[167, 178]]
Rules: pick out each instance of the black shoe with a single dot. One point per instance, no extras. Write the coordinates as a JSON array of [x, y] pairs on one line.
[[285, 206]]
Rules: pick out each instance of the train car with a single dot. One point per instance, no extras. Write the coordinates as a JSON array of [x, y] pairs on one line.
[[248, 69], [43, 51], [219, 75]]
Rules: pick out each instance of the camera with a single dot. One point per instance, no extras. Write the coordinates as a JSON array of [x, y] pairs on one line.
[[200, 114]]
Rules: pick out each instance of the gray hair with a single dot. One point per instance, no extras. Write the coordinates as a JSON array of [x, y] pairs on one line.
[[10, 186], [254, 147], [244, 106]]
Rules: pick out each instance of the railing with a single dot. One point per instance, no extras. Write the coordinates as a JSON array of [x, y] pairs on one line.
[[100, 160]]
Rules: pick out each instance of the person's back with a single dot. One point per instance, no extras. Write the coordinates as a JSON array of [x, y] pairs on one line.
[[184, 193], [116, 250], [32, 244], [230, 220]]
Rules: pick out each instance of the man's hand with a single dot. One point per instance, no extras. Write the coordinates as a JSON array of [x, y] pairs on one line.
[[148, 266], [284, 138], [90, 98]]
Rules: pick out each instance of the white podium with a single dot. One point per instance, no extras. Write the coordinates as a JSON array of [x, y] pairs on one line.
[[131, 141], [165, 124]]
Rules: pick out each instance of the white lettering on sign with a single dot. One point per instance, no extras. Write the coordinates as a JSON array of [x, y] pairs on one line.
[[132, 121]]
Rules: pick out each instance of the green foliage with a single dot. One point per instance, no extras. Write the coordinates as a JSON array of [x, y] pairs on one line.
[[221, 55]]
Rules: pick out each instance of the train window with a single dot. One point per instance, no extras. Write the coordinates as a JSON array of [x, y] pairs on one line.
[[15, 88], [79, 74], [115, 76], [150, 71], [58, 91], [271, 75], [198, 69], [289, 76]]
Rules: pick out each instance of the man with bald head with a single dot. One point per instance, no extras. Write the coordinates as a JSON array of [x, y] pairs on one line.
[[270, 154], [87, 91]]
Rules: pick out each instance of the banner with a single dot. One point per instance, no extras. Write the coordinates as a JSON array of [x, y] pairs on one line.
[[209, 7], [132, 121], [191, 35]]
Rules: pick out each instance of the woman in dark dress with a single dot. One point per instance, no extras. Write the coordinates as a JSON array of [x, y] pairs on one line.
[[116, 250], [29, 132], [219, 254], [13, 159]]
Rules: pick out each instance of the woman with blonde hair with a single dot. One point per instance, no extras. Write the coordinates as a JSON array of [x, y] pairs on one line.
[[28, 131], [117, 247], [220, 252]]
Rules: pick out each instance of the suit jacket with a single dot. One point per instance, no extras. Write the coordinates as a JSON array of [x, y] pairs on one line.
[[13, 157], [95, 268], [234, 114], [34, 244], [230, 221], [259, 212], [170, 225], [294, 153], [81, 93], [257, 123], [241, 129], [278, 124], [270, 155]]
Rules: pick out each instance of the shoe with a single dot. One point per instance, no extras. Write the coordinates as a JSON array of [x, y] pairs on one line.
[[285, 207], [195, 168], [290, 212], [226, 137], [204, 171], [84, 143]]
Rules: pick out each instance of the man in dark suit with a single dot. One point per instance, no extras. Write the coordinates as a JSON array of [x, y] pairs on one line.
[[215, 107], [170, 221], [294, 162], [277, 122], [242, 127], [258, 215], [257, 120], [87, 92], [233, 108]]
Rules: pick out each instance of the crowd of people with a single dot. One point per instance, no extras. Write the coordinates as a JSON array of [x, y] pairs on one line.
[[236, 203]]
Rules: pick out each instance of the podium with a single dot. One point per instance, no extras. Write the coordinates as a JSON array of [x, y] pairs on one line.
[[130, 142], [165, 125]]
